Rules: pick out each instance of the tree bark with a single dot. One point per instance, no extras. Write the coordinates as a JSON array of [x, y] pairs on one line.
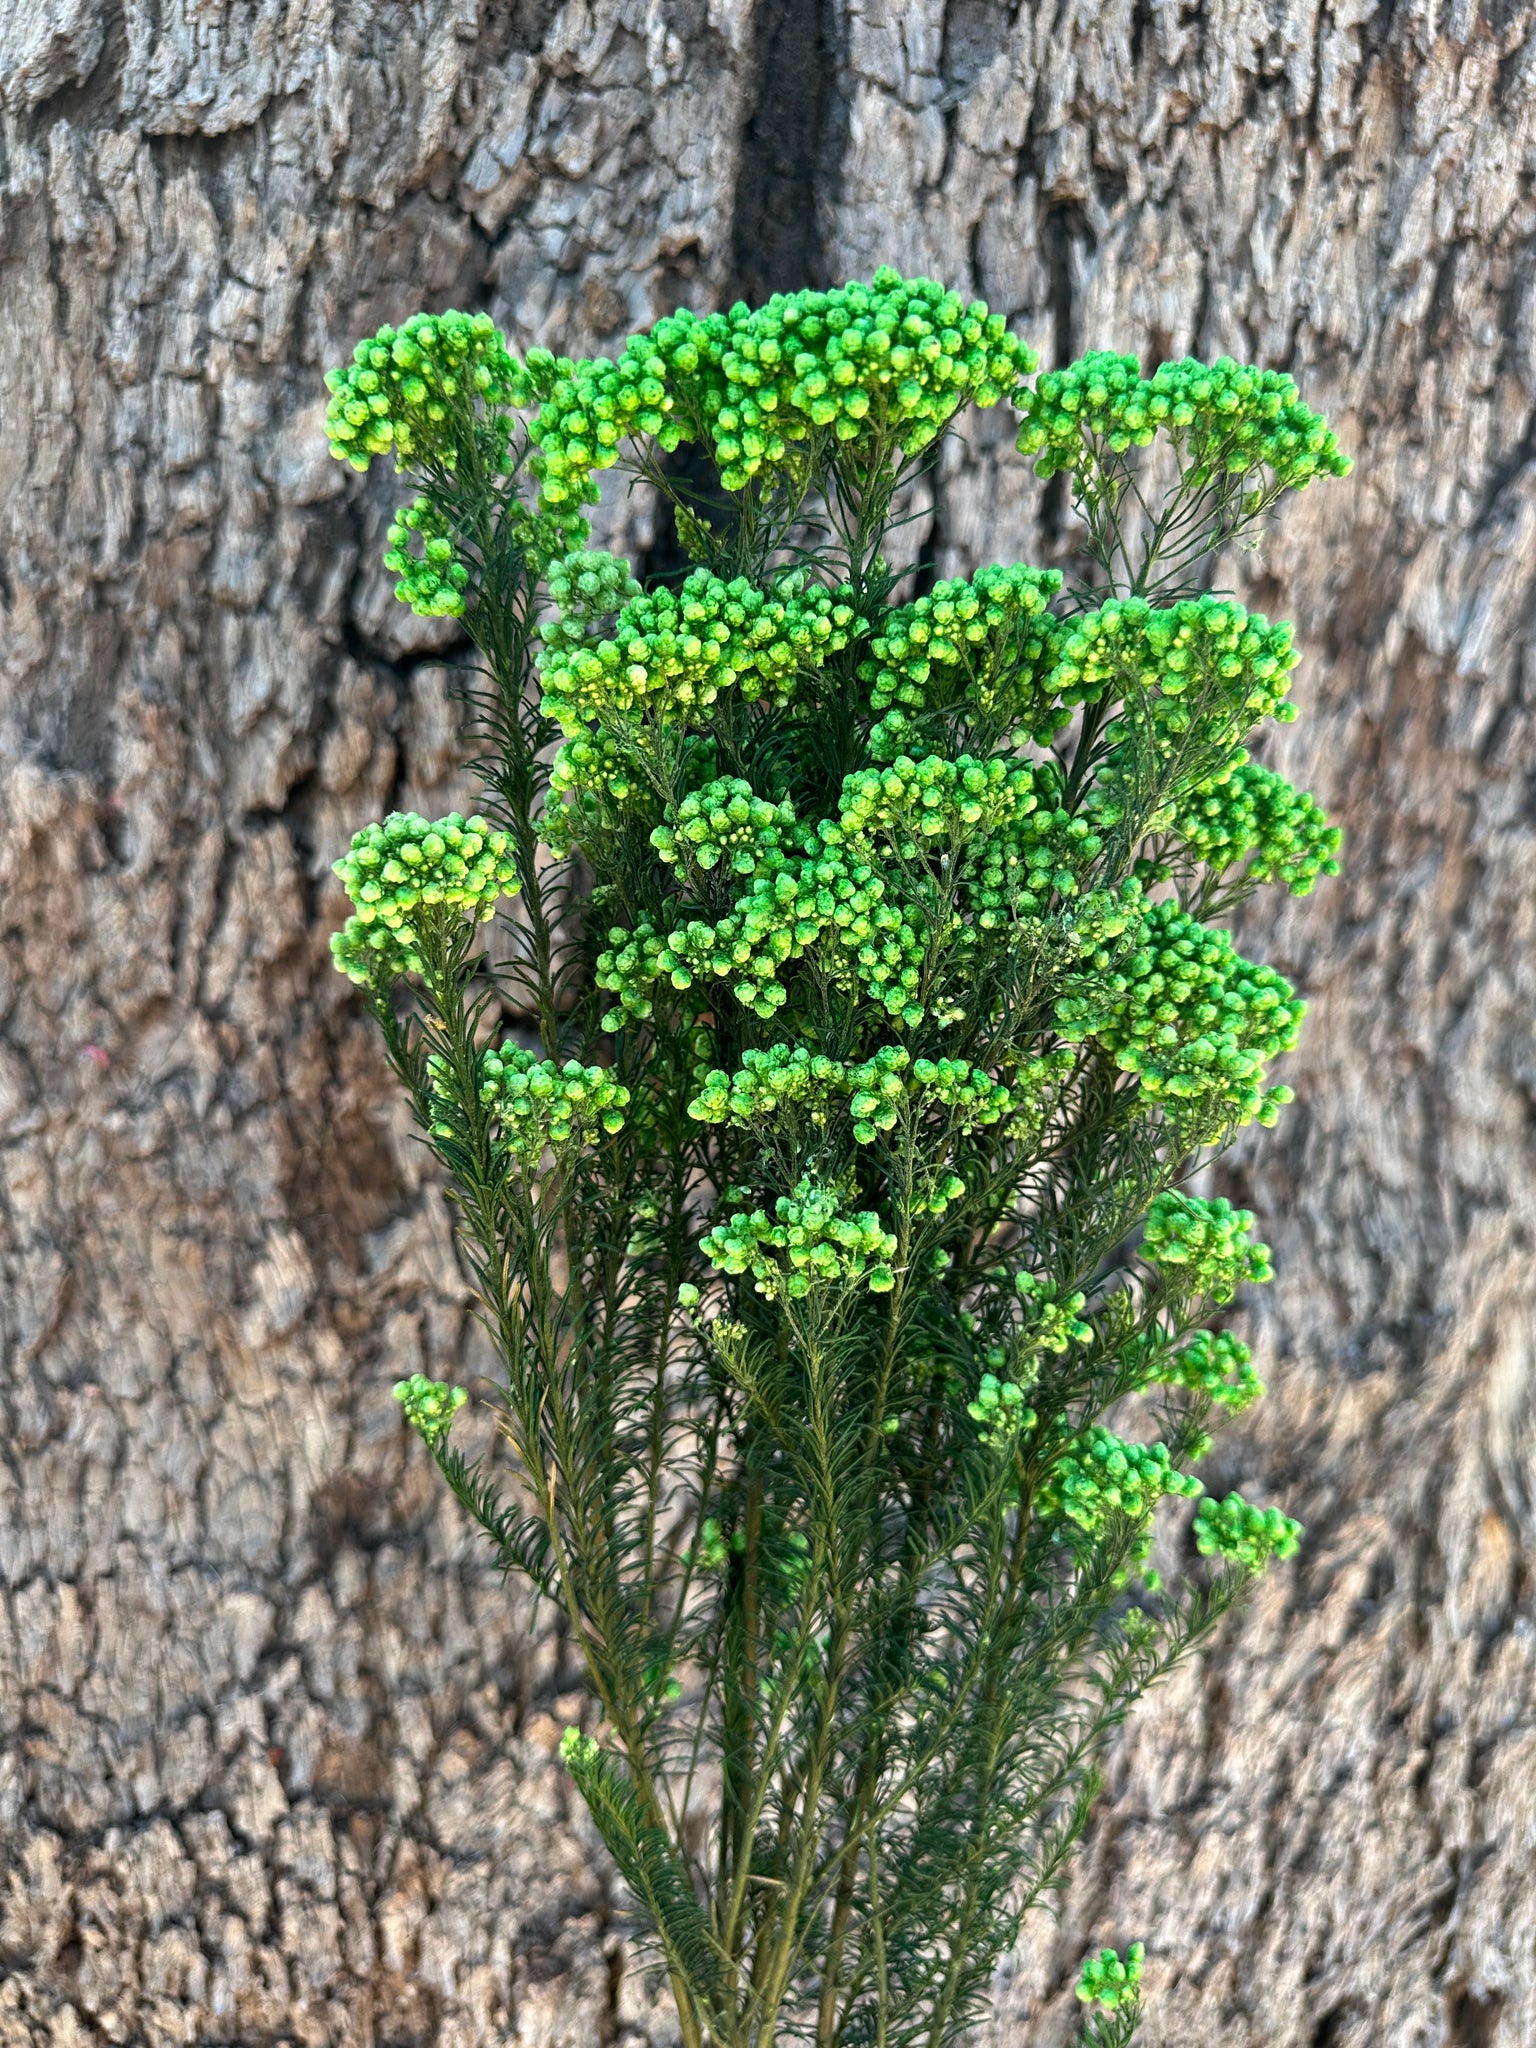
[[276, 1750]]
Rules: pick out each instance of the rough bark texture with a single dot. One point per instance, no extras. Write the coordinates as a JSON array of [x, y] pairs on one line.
[[275, 1750]]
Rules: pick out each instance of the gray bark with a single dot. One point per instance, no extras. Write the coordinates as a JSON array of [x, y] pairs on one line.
[[276, 1751]]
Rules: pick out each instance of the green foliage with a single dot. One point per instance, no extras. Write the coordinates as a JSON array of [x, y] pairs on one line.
[[871, 1019]]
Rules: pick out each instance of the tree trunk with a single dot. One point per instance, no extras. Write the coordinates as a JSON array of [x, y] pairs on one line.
[[276, 1750]]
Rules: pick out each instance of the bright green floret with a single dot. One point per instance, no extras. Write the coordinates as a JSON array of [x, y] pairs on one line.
[[1001, 1410], [1010, 851], [587, 587], [1099, 1475], [808, 1240], [984, 643], [1204, 1247], [412, 392], [433, 582], [873, 368], [1106, 1980], [1215, 1364], [1189, 1016], [429, 1405], [1053, 1317], [723, 825], [395, 870], [1243, 1534], [875, 1090], [673, 652], [1226, 419], [1255, 816], [538, 1103], [1204, 659]]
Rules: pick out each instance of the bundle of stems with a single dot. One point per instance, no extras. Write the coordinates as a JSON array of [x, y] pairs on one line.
[[819, 1133]]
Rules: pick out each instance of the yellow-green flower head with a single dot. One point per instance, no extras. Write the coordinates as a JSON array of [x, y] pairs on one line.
[[1001, 1410], [808, 1240], [844, 889], [1226, 419], [1184, 1011], [429, 1405], [1203, 658], [1099, 1475], [1245, 1535], [985, 641], [1053, 1319], [1106, 1980], [874, 1090], [588, 586], [1204, 1248], [589, 408], [433, 582], [676, 650], [394, 869], [1255, 816], [723, 825], [881, 366], [1216, 1364], [593, 777], [539, 1104], [413, 392]]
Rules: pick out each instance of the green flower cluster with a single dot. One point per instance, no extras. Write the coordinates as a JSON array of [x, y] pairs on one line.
[[538, 1103], [682, 648], [429, 1405], [1001, 1410], [913, 801], [395, 869], [875, 1089], [1255, 815], [586, 586], [843, 886], [591, 774], [881, 363], [1216, 1364], [589, 407], [1099, 1475], [1106, 1980], [1246, 1535], [724, 823], [767, 1081], [1204, 1246], [1226, 419], [1204, 658], [1053, 1320], [431, 583], [1191, 1017], [986, 640], [810, 1237], [780, 917], [411, 392], [1024, 858]]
